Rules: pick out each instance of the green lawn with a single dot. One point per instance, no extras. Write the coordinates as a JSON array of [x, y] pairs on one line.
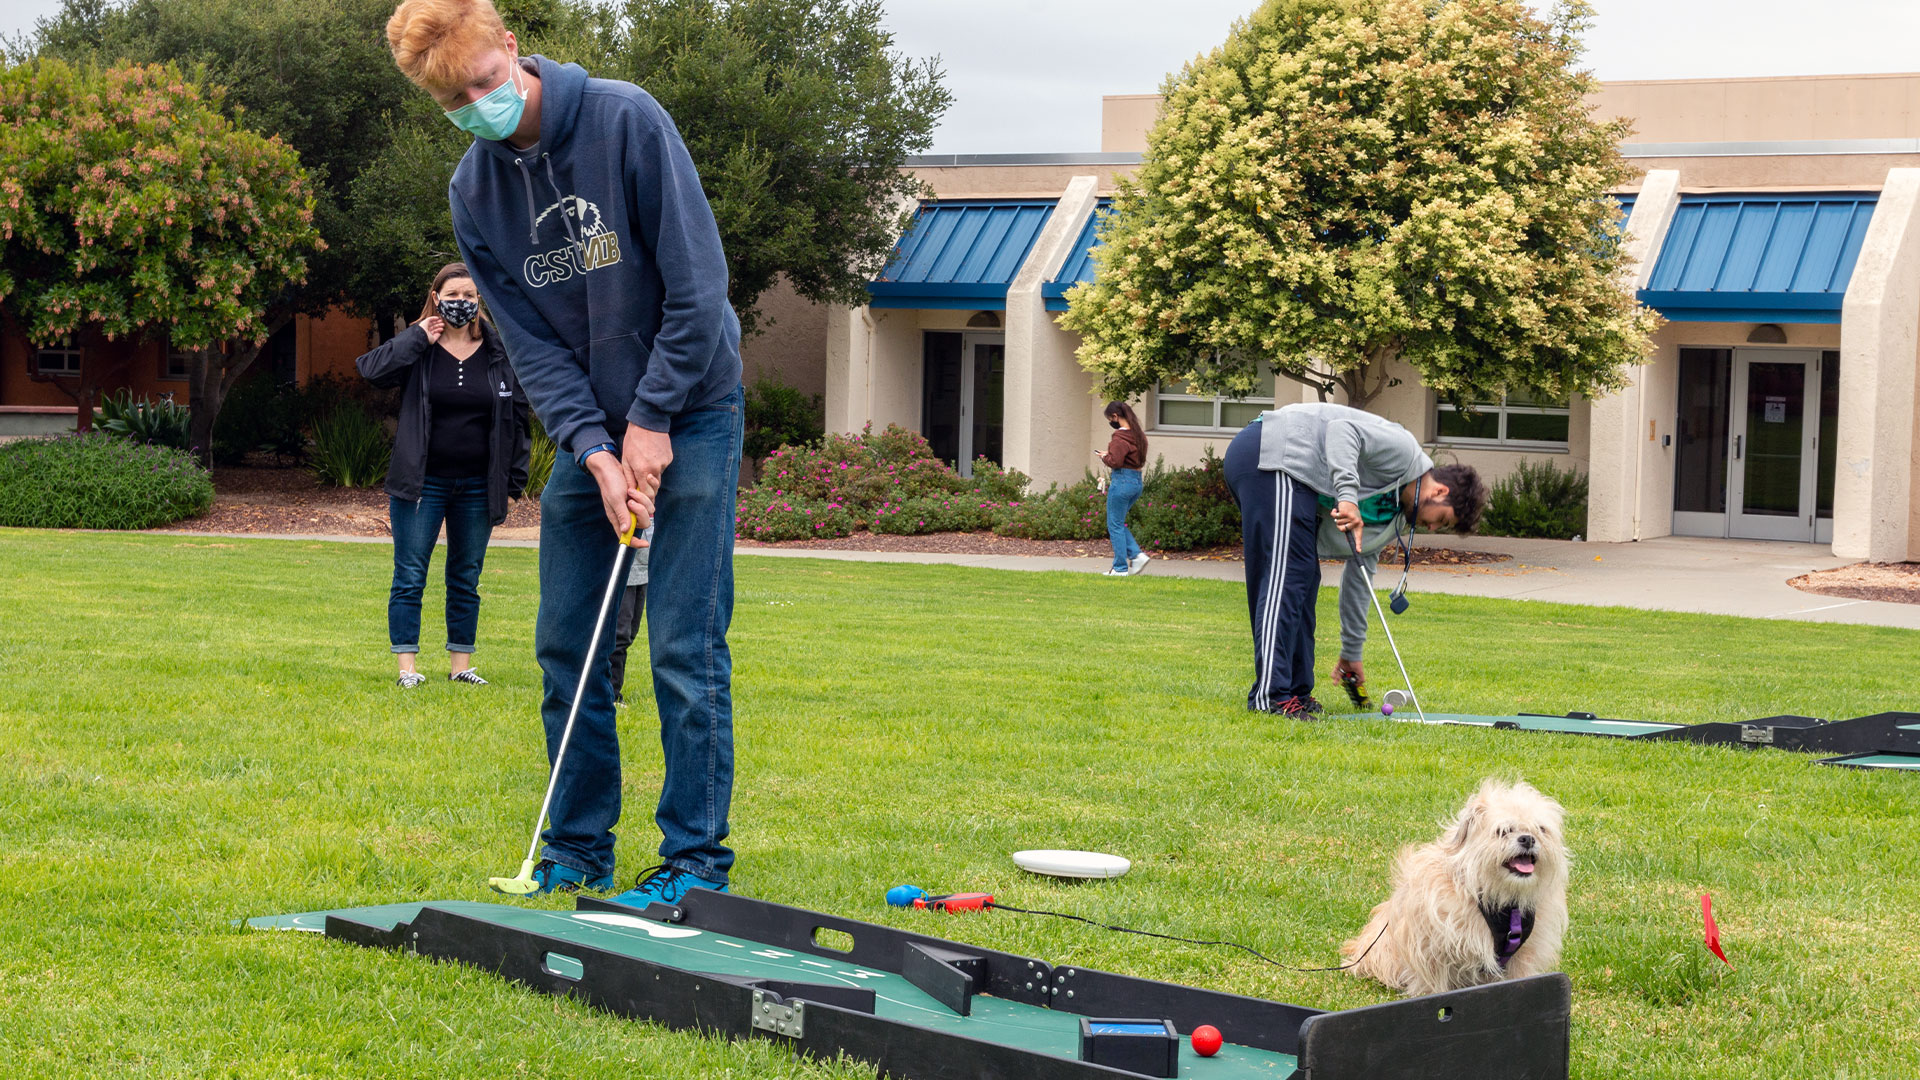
[[193, 731]]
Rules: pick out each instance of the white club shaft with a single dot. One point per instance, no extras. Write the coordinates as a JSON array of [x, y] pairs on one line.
[[1417, 710], [586, 669]]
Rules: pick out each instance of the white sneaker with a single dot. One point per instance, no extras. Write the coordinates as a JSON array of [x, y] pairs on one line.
[[1137, 564], [410, 679], [1111, 572]]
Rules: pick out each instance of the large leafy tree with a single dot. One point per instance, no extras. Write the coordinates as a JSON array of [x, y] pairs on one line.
[[130, 205], [799, 115], [1349, 183]]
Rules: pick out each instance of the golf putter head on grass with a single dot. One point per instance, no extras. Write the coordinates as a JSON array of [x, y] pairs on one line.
[[522, 884]]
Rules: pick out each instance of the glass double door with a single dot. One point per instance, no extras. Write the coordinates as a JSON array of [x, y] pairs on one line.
[[963, 394], [1755, 457]]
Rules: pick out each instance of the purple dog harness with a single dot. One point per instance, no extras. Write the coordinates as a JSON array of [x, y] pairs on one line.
[[1510, 928]]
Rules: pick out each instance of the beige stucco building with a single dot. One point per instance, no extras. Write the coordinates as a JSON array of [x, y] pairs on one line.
[[1777, 227]]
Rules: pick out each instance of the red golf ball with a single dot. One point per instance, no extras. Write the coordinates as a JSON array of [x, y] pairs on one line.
[[1206, 1040]]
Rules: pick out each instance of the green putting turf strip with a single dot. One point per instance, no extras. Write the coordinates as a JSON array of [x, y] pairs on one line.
[[1883, 761], [1009, 1023], [1567, 725]]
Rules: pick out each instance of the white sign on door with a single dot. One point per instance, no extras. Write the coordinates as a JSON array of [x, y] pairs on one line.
[[1776, 412]]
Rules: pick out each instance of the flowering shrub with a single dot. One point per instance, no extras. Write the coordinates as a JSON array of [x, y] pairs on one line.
[[869, 480], [99, 481], [1076, 513], [1182, 509], [762, 514]]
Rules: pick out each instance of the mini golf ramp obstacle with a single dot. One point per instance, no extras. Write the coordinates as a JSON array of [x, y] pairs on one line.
[[1888, 740], [924, 1008]]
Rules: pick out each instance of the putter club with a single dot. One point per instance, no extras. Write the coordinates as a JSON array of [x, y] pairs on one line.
[[523, 884], [1388, 697]]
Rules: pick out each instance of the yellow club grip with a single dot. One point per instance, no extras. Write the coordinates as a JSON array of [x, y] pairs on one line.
[[626, 538]]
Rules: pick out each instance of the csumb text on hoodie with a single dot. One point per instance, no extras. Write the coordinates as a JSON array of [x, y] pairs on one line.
[[599, 259]]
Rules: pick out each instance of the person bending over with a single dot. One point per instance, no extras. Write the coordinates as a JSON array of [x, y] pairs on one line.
[[591, 239], [1322, 480]]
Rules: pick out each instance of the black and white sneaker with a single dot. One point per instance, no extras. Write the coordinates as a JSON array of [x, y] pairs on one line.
[[410, 679], [469, 676]]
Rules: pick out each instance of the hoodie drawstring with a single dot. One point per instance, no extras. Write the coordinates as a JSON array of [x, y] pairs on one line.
[[533, 212], [578, 247]]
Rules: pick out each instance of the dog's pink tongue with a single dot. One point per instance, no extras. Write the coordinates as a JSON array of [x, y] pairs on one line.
[[1522, 865]]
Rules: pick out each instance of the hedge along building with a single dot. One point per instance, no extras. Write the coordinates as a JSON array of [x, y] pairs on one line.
[[1776, 224]]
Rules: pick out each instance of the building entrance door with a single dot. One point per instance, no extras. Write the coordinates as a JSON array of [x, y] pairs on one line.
[[963, 397], [1770, 475], [1755, 455]]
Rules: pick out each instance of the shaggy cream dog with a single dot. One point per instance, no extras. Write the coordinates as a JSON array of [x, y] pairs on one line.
[[1487, 901]]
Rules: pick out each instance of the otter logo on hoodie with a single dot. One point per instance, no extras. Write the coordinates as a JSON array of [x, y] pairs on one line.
[[597, 246]]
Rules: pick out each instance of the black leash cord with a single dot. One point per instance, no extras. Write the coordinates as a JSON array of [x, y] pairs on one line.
[[1255, 953]]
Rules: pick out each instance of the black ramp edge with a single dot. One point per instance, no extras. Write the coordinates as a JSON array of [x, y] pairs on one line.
[[1786, 732], [1892, 732], [1264, 1025], [359, 933], [882, 948], [1517, 1030], [939, 973]]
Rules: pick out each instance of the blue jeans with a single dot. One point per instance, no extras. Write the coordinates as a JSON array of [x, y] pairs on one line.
[[1122, 489], [689, 607], [462, 505]]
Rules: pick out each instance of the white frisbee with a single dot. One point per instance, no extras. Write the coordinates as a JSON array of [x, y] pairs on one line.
[[1071, 864]]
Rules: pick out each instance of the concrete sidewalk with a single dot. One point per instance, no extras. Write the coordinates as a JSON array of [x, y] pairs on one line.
[[1713, 577], [1710, 577]]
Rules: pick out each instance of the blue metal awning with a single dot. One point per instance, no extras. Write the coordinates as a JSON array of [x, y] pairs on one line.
[[961, 254], [1750, 258], [1626, 207], [1079, 264]]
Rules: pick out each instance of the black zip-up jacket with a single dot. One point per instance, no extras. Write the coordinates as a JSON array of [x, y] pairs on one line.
[[397, 363]]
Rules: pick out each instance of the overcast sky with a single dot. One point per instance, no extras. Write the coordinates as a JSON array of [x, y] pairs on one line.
[[1027, 75]]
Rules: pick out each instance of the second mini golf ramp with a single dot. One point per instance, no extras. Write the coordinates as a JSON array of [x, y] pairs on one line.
[[925, 1008]]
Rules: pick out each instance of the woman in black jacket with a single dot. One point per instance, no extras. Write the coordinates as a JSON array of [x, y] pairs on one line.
[[460, 453]]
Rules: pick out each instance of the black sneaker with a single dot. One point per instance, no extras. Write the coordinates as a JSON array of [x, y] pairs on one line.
[[1298, 708], [469, 676]]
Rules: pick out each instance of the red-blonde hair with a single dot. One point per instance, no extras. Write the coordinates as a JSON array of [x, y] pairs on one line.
[[434, 41]]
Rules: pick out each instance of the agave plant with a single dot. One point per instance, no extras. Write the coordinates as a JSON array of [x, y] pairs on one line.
[[350, 448], [161, 422]]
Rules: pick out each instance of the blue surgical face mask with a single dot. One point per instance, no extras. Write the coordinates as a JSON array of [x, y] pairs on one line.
[[495, 116]]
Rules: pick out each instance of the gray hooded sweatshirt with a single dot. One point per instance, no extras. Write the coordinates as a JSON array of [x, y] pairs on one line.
[[1346, 455]]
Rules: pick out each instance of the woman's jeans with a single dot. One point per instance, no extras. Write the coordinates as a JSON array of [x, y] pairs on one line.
[[689, 607], [1122, 489], [462, 505]]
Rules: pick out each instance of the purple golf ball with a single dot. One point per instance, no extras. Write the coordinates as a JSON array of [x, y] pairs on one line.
[[1386, 710]]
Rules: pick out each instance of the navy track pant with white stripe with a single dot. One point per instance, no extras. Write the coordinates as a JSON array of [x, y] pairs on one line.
[[1279, 527]]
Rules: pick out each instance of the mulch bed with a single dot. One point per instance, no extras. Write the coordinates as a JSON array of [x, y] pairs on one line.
[[987, 543], [254, 499], [1895, 583], [261, 499]]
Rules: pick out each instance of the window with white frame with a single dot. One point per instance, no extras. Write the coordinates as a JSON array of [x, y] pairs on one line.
[[1182, 410], [1515, 419], [59, 358]]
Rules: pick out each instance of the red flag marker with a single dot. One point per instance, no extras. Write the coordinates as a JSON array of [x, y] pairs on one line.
[[1713, 929]]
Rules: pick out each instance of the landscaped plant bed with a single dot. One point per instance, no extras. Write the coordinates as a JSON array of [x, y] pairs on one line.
[[1896, 583], [251, 499], [987, 543]]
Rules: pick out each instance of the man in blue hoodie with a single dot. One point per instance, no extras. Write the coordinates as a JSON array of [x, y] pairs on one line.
[[593, 245]]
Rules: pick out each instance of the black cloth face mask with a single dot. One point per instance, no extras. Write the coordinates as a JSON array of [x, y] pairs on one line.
[[1114, 424], [458, 312]]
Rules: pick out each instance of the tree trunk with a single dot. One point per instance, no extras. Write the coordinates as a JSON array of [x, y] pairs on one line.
[[210, 378], [383, 327], [1372, 377]]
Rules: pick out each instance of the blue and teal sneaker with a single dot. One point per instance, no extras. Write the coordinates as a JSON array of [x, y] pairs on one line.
[[556, 878], [666, 885]]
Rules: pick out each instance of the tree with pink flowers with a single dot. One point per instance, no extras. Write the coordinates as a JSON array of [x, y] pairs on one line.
[[130, 206]]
